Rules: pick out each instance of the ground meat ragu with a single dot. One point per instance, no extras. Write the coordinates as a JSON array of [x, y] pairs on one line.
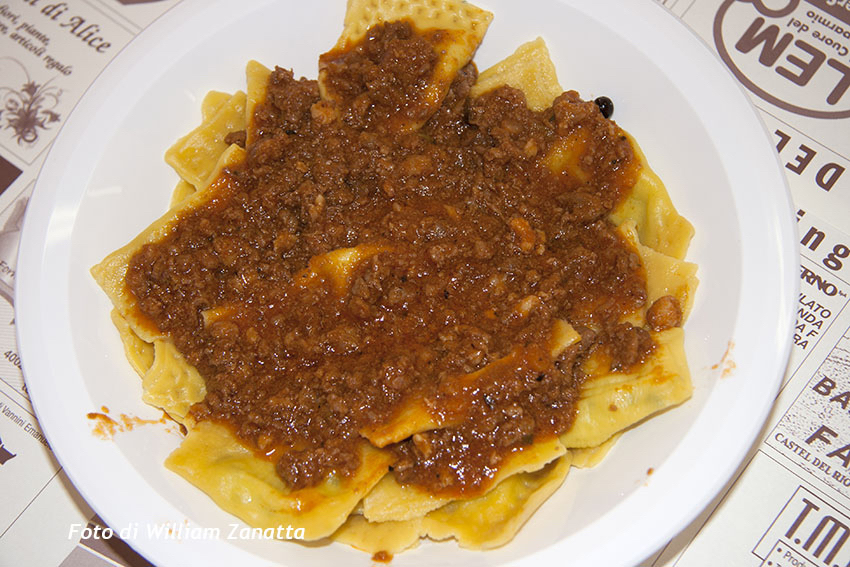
[[482, 248]]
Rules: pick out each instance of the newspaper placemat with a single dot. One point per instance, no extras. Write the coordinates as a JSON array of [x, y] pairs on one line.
[[790, 503]]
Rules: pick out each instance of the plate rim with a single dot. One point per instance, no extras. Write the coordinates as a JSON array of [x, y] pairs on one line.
[[35, 231]]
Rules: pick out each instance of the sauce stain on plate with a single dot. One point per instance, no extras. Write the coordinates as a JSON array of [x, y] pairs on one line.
[[726, 365], [105, 427]]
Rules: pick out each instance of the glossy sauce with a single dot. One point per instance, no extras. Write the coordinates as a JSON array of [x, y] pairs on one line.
[[478, 247]]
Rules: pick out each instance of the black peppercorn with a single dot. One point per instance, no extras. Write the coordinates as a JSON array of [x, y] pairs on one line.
[[606, 106]]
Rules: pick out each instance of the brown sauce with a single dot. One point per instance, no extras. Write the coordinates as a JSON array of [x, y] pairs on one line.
[[471, 222], [105, 427]]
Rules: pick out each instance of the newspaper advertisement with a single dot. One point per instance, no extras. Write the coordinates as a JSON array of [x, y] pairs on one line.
[[789, 504], [50, 53]]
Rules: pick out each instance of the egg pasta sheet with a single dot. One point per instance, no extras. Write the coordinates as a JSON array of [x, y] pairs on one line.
[[370, 506]]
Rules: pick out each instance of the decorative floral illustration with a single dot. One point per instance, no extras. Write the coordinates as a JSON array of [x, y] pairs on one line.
[[29, 109]]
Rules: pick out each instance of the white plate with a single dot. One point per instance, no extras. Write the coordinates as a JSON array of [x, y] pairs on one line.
[[105, 180]]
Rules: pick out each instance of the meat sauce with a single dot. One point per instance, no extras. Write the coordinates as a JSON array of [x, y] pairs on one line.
[[480, 247]]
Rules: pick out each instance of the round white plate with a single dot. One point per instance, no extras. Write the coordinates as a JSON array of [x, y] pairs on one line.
[[105, 180]]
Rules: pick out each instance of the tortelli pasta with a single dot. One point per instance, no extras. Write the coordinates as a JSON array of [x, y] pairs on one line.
[[403, 300]]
